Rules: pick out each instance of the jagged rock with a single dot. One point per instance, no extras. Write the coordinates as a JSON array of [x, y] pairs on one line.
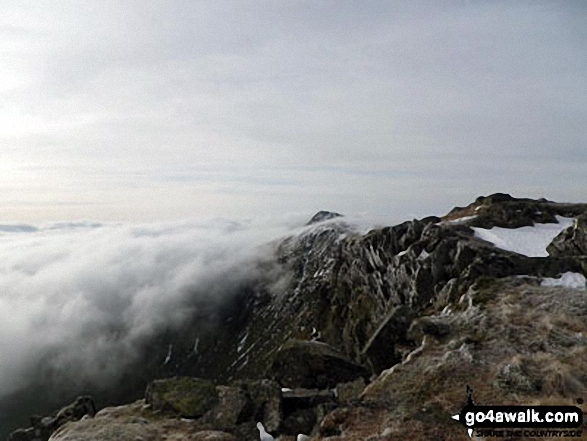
[[23, 435], [307, 364], [342, 287], [503, 210], [380, 349], [186, 396], [322, 216], [301, 409], [572, 241], [43, 427], [232, 402], [75, 411], [263, 403]]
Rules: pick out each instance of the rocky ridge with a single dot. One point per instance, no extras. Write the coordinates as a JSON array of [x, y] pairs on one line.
[[351, 336]]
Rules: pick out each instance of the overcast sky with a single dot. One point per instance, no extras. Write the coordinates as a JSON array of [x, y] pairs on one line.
[[159, 110]]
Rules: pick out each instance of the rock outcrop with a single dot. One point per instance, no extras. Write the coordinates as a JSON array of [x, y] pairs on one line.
[[187, 397], [351, 336], [313, 365]]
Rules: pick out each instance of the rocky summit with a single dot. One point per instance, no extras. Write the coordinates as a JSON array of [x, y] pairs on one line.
[[374, 336]]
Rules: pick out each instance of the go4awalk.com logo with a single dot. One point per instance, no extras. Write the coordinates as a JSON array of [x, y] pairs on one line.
[[518, 421]]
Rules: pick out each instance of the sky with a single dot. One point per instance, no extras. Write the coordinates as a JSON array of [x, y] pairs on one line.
[[149, 148], [156, 110]]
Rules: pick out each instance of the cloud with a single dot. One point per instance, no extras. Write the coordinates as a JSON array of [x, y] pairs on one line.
[[80, 299]]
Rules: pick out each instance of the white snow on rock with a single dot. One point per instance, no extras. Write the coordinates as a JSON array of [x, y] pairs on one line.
[[267, 436], [529, 241], [461, 220], [423, 255], [264, 435], [567, 280]]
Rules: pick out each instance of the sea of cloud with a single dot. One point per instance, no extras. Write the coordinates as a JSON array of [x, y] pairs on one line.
[[78, 299]]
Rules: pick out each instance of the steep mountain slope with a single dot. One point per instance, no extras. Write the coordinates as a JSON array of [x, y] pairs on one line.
[[417, 311]]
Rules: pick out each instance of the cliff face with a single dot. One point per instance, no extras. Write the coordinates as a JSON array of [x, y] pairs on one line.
[[343, 284], [399, 318]]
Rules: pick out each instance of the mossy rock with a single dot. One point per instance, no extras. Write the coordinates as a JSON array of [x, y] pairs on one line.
[[186, 396]]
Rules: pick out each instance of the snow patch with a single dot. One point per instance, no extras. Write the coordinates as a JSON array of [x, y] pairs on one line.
[[567, 280], [528, 241], [169, 353], [423, 255], [461, 220]]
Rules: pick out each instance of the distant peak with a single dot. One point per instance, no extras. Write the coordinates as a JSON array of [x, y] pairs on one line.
[[322, 216]]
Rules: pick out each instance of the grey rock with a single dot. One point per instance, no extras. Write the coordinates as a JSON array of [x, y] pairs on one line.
[[572, 241], [305, 364], [263, 403], [43, 427], [322, 216]]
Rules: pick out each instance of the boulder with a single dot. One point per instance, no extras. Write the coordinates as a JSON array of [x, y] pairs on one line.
[[232, 402], [188, 397], [299, 421], [42, 427], [313, 365], [263, 403], [572, 241]]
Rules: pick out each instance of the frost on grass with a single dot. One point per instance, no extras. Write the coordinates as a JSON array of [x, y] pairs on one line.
[[529, 241]]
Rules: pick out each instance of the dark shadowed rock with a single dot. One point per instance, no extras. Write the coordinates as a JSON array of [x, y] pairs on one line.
[[308, 364], [227, 412], [263, 403], [322, 216], [23, 435], [572, 241], [43, 427], [299, 421], [380, 349], [503, 210]]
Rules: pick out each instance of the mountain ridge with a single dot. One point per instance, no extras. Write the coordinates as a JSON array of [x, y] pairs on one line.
[[382, 301]]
